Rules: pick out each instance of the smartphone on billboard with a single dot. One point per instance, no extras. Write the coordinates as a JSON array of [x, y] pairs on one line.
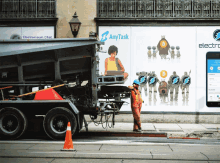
[[213, 79]]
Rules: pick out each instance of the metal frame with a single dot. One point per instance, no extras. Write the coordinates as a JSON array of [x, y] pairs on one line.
[[27, 9], [158, 9], [58, 51], [159, 13]]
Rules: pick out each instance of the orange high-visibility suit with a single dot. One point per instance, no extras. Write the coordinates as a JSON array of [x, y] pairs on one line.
[[136, 104]]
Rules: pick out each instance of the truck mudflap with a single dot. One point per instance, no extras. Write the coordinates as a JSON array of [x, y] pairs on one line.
[[76, 111]]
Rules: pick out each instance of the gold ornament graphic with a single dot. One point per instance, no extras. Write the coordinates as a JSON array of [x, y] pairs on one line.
[[163, 44], [163, 73]]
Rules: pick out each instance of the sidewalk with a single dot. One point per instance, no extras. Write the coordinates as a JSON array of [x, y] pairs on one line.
[[169, 130]]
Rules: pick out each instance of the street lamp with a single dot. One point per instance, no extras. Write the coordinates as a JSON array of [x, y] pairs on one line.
[[74, 25]]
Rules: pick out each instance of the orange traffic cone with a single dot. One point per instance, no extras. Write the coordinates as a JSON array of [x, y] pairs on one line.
[[68, 145]]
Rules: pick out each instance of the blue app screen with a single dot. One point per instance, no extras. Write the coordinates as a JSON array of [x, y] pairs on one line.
[[213, 79]]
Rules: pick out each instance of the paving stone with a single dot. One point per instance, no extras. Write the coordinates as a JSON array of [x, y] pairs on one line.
[[15, 146], [86, 161], [162, 161], [87, 147], [148, 126], [135, 148], [176, 134], [16, 160], [193, 148], [36, 154], [26, 160], [212, 126], [192, 127], [120, 127], [113, 154], [167, 126], [212, 154], [43, 147], [179, 156]]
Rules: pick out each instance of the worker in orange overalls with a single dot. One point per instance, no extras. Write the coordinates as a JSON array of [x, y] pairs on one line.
[[136, 104], [114, 64]]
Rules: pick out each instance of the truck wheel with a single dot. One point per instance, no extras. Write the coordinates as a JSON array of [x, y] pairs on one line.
[[13, 123], [55, 122]]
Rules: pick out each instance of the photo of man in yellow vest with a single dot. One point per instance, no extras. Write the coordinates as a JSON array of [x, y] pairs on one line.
[[113, 66]]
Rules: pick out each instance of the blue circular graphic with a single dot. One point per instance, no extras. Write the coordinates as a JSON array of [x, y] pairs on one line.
[[186, 80], [143, 79], [216, 34], [175, 80], [152, 80]]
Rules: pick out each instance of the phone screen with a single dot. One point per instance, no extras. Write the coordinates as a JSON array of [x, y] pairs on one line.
[[213, 80]]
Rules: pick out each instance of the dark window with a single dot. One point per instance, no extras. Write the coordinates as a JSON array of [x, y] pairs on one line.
[[27, 8], [157, 8]]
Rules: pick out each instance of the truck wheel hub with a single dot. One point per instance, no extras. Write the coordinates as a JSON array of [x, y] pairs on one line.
[[9, 123], [60, 124]]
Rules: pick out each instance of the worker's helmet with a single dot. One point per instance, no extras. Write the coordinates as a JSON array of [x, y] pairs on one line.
[[136, 81]]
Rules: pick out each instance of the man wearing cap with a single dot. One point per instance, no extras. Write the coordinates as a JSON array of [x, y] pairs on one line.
[[136, 104]]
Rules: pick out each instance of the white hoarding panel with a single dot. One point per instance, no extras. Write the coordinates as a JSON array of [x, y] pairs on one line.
[[121, 38], [205, 43], [37, 32], [27, 32], [184, 37], [8, 32], [177, 56]]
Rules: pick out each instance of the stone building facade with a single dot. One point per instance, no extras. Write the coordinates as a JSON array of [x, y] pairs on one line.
[[54, 15], [86, 11]]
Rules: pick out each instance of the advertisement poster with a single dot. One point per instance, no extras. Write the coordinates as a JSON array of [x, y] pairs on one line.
[[170, 63], [27, 32]]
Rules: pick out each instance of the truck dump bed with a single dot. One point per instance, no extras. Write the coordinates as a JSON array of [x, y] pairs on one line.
[[38, 59], [29, 63]]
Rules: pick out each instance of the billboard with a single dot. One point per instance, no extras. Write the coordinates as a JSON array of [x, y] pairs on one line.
[[27, 32], [169, 61]]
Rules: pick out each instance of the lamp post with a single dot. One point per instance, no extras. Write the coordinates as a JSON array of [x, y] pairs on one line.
[[75, 25]]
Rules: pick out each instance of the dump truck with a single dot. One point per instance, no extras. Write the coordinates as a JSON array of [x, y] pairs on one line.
[[58, 80]]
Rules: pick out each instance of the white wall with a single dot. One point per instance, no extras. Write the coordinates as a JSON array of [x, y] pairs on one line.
[[27, 32]]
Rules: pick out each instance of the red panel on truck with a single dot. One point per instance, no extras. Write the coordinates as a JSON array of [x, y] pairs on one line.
[[47, 94]]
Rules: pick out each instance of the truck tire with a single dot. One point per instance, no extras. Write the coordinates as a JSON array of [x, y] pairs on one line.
[[13, 123], [55, 123]]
